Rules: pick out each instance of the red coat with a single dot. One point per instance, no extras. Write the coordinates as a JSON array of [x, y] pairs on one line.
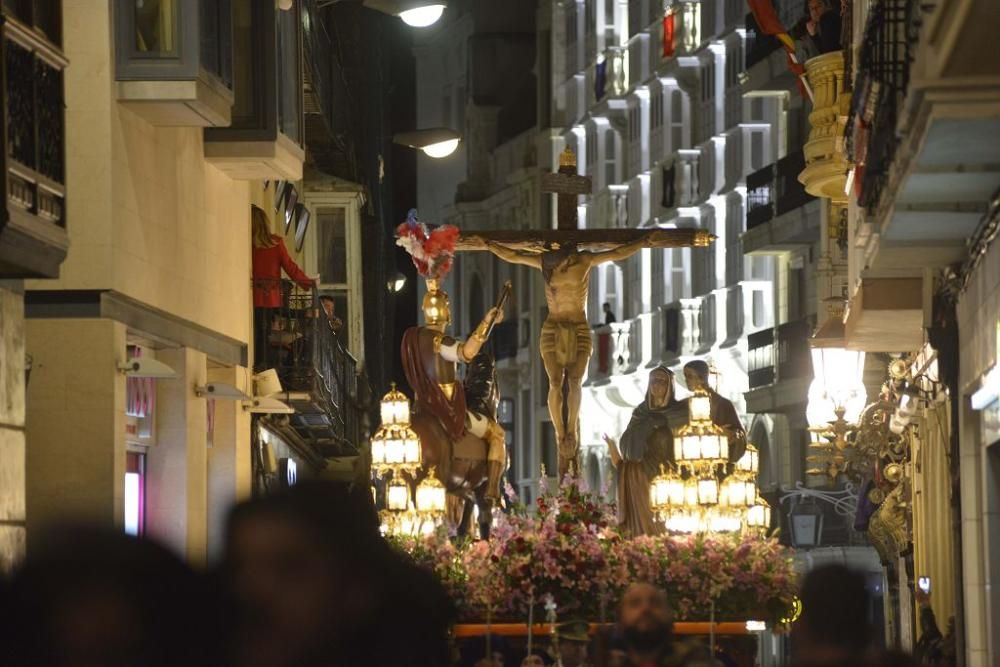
[[267, 266]]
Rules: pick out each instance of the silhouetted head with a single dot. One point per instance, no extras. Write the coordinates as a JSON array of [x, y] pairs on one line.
[[97, 597], [311, 577], [834, 615]]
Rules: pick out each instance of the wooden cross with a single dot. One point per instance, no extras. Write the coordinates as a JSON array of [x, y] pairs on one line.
[[566, 185]]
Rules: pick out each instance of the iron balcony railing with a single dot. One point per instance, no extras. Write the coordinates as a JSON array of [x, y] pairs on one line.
[[883, 76], [775, 190], [299, 341]]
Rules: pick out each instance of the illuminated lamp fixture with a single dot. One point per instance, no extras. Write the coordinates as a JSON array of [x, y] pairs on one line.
[[397, 495], [431, 496], [396, 283], [703, 444], [837, 391], [758, 516], [435, 142], [414, 13], [749, 463], [395, 446]]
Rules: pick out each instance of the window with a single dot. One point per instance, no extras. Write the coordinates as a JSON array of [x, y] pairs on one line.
[[634, 122], [708, 81], [669, 34], [610, 157], [167, 40], [609, 23], [677, 134], [266, 132], [656, 110], [289, 75], [590, 148], [134, 496], [331, 245]]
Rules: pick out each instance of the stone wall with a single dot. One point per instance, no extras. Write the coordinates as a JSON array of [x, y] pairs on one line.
[[12, 360]]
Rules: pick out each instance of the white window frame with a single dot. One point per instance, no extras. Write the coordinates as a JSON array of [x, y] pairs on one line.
[[351, 202]]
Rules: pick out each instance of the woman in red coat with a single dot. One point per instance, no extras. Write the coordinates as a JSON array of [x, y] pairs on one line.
[[269, 257]]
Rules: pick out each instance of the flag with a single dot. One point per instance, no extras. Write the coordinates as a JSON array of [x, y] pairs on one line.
[[769, 24]]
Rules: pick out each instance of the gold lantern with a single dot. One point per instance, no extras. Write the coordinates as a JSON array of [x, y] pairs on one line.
[[395, 446], [397, 495], [703, 444], [431, 496]]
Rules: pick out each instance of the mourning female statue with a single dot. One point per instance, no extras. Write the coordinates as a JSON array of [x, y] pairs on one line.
[[646, 444]]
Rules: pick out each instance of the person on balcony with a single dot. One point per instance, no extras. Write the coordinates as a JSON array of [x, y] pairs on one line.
[[335, 323], [270, 256], [609, 316], [646, 444], [818, 32]]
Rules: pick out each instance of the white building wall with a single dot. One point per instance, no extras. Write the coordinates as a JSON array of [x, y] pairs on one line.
[[681, 154]]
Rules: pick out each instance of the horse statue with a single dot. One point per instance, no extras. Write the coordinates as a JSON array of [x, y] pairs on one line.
[[461, 465], [455, 420]]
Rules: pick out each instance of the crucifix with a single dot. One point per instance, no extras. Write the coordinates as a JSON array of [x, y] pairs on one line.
[[565, 257]]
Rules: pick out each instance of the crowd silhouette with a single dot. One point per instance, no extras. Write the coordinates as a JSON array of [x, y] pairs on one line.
[[307, 580]]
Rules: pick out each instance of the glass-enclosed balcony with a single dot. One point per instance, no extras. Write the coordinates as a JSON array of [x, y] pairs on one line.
[[33, 238], [174, 60], [265, 138]]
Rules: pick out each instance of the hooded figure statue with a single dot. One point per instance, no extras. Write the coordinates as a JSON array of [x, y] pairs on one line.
[[646, 444]]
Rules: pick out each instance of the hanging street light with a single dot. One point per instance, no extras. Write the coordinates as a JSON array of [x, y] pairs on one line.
[[438, 142], [414, 13]]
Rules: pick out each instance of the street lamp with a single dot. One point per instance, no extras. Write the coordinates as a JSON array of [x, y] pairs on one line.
[[806, 521], [435, 142], [396, 282], [837, 390], [415, 13]]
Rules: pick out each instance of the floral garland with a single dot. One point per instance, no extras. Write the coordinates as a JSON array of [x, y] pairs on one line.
[[432, 251], [570, 549]]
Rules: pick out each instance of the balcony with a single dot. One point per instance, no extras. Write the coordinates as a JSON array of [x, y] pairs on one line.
[[174, 60], [265, 138], [33, 239], [319, 377], [826, 165], [779, 366], [781, 215], [926, 152]]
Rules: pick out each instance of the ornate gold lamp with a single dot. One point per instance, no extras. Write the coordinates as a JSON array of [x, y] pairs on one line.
[[396, 454]]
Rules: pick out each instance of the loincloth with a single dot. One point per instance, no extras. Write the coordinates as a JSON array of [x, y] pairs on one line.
[[567, 340]]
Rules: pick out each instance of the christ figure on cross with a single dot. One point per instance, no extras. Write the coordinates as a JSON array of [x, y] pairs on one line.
[[565, 257], [565, 339]]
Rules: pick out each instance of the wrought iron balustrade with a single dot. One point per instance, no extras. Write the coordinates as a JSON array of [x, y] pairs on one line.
[[887, 50], [760, 361], [779, 354], [776, 189], [319, 377]]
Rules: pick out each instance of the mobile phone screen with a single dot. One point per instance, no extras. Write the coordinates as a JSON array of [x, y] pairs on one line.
[[925, 584]]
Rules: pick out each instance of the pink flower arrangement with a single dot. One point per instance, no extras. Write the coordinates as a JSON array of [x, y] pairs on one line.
[[570, 549]]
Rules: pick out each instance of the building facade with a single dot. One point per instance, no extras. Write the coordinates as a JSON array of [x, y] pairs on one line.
[[33, 228], [911, 186], [649, 97], [179, 118]]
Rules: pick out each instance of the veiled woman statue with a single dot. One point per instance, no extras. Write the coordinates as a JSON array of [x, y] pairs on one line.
[[646, 444]]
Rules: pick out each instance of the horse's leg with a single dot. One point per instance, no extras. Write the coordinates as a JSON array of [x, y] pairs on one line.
[[485, 512], [466, 524]]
